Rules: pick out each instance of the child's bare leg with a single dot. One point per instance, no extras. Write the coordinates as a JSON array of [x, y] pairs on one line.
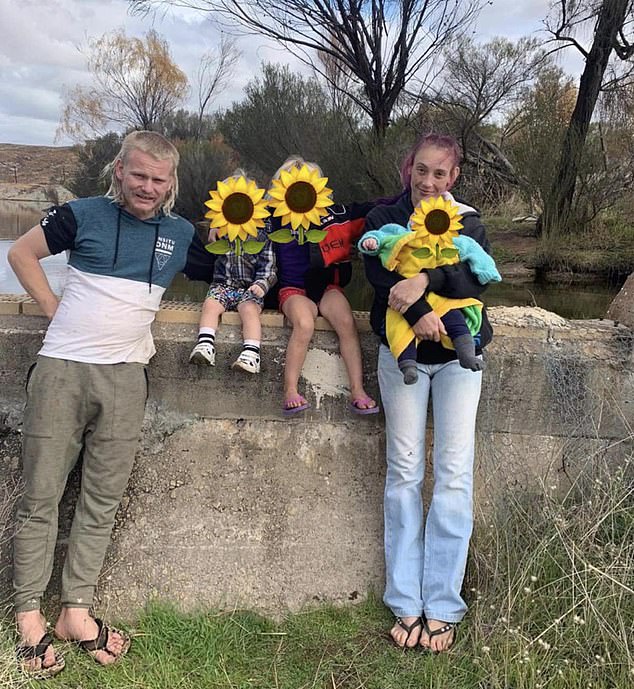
[[301, 313], [250, 315], [210, 316], [335, 307]]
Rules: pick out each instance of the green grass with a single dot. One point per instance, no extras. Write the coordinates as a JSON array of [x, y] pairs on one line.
[[550, 587]]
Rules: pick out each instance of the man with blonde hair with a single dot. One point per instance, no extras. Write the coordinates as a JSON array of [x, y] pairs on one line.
[[88, 386]]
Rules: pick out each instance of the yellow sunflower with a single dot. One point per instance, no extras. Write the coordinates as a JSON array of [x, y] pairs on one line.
[[300, 196], [237, 209], [436, 222]]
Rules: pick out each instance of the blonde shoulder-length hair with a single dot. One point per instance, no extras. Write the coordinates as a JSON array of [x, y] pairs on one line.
[[153, 144]]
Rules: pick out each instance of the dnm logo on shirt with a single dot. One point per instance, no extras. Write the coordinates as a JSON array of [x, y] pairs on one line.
[[163, 251]]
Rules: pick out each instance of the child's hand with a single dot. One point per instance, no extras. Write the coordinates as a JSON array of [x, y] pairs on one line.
[[369, 244], [213, 234], [257, 290]]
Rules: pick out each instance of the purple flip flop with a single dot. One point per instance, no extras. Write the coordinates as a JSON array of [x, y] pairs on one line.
[[355, 408], [289, 411]]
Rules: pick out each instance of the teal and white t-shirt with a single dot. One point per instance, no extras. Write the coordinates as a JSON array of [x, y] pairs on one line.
[[118, 270]]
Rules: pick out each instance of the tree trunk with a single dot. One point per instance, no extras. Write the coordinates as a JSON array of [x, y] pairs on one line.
[[557, 211]]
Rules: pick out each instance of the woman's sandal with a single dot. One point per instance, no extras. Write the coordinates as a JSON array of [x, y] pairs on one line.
[[409, 628], [26, 653], [448, 627], [100, 643]]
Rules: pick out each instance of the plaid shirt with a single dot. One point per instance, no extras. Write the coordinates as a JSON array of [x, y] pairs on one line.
[[243, 271]]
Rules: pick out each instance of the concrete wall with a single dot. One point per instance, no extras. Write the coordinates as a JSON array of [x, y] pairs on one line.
[[232, 504]]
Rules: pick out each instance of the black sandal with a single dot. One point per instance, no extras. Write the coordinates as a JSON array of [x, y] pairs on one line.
[[100, 643], [25, 654], [409, 628], [448, 627]]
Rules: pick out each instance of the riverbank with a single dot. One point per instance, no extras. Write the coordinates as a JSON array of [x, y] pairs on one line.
[[604, 256]]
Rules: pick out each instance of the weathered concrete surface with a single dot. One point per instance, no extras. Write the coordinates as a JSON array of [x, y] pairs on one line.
[[232, 504], [622, 308]]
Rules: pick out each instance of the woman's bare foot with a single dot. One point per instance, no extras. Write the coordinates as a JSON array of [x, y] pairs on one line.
[[76, 624], [406, 631], [31, 628], [438, 636]]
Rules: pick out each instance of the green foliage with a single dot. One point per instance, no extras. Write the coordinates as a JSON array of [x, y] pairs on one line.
[[183, 124], [604, 246], [284, 114], [316, 236], [252, 247], [202, 164], [536, 129], [92, 157], [219, 247], [283, 236]]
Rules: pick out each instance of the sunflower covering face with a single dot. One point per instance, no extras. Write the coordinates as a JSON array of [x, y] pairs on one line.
[[300, 196], [436, 222], [236, 209]]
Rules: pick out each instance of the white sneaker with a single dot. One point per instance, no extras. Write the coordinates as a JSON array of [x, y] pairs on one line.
[[203, 354], [247, 361]]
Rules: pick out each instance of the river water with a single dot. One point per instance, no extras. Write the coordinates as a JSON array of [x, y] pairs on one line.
[[569, 301]]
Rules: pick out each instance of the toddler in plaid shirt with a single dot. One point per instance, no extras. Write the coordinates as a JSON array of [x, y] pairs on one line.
[[239, 284]]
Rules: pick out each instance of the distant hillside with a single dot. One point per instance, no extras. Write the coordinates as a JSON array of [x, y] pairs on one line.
[[36, 164]]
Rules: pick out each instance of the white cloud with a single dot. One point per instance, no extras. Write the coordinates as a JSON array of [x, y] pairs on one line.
[[41, 51]]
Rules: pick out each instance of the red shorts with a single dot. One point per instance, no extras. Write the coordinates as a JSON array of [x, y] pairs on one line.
[[287, 292]]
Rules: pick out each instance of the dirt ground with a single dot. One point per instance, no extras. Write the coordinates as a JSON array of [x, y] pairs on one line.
[[36, 164]]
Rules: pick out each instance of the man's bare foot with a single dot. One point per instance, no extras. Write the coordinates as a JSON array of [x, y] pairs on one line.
[[438, 636], [406, 631], [31, 629], [76, 624]]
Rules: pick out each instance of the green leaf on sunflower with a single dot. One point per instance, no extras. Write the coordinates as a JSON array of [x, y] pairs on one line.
[[221, 246], [252, 247], [315, 236], [423, 252], [281, 236], [448, 252]]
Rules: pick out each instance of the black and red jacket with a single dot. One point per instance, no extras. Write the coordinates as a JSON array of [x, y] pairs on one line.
[[315, 266]]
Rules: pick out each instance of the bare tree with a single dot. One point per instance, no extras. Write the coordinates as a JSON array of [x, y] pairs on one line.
[[612, 22], [480, 79], [134, 84], [382, 45], [214, 72]]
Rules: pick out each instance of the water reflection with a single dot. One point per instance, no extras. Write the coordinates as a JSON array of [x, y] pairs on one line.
[[54, 267], [16, 217]]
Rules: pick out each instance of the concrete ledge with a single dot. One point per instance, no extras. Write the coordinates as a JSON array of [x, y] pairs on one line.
[[232, 504], [179, 312]]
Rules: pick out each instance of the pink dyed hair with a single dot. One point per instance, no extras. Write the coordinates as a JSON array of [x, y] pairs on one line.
[[443, 141]]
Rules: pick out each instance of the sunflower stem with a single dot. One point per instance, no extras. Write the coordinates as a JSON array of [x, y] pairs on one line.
[[301, 235], [238, 247]]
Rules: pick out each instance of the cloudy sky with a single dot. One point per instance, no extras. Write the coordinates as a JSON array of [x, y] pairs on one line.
[[42, 40]]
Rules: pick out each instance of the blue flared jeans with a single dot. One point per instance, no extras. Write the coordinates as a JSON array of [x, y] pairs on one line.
[[426, 560]]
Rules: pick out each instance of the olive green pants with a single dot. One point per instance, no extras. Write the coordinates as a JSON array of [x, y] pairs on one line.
[[70, 405]]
